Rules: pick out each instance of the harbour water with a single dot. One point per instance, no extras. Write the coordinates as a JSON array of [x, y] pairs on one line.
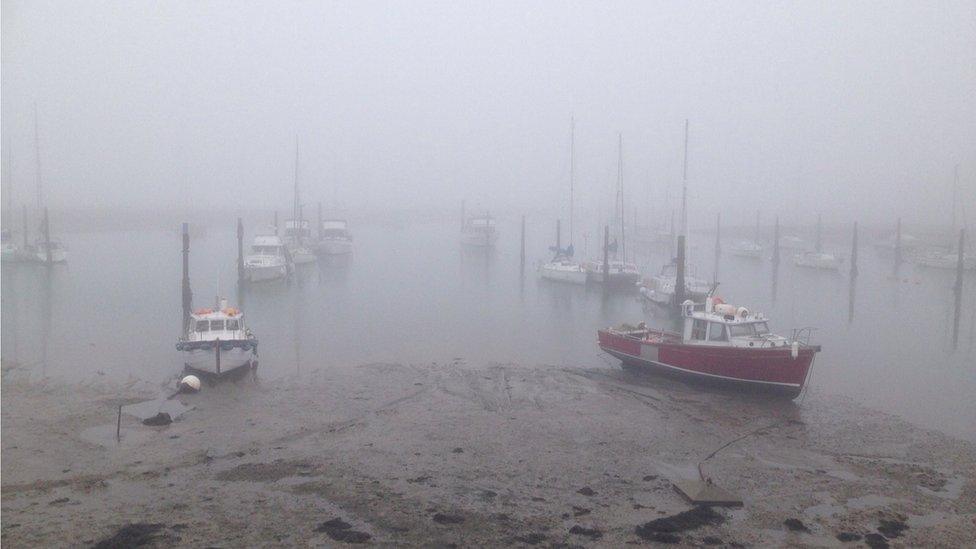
[[410, 293]]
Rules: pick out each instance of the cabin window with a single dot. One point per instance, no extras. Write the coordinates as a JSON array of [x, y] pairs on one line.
[[698, 329], [716, 332], [741, 330], [233, 324], [216, 325], [762, 328], [201, 326]]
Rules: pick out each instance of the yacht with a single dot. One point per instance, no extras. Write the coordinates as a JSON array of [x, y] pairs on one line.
[[335, 238], [268, 260]]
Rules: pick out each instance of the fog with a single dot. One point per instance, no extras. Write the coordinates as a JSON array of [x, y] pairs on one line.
[[432, 362], [856, 110]]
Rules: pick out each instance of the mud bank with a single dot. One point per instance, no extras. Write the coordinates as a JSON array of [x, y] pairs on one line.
[[470, 455]]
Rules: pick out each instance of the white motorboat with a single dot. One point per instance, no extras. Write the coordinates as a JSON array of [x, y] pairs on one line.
[[659, 289], [335, 238], [268, 260], [479, 231], [218, 343], [818, 260]]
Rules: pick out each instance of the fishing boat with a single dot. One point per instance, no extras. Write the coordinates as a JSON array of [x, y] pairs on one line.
[[659, 289], [480, 231], [335, 238], [751, 249], [718, 343], [269, 259], [218, 344]]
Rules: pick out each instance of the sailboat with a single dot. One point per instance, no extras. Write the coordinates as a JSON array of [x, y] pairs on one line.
[[661, 289], [45, 249], [818, 259], [947, 257], [561, 267], [619, 272], [297, 231], [749, 248]]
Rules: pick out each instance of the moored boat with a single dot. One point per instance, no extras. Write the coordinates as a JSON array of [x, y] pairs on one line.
[[818, 260], [659, 289], [621, 274], [48, 251], [746, 248], [942, 259], [479, 230], [718, 343], [335, 238], [268, 260], [562, 268], [218, 344]]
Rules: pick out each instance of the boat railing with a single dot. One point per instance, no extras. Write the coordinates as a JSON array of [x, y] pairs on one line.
[[802, 335]]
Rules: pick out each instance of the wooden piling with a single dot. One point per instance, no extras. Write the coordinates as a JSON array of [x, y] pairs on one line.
[[26, 243], [276, 222], [522, 252], [47, 238], [118, 426], [187, 294], [854, 252], [558, 235], [897, 245], [240, 251], [776, 242], [718, 245]]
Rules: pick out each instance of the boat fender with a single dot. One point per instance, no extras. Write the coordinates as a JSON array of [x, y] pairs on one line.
[[190, 384], [795, 350], [742, 311]]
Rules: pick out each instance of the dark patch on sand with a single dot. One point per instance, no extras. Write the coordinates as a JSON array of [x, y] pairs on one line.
[[580, 511], [685, 520], [876, 541], [795, 525], [892, 528], [530, 539], [341, 530], [586, 491], [442, 518], [131, 535], [162, 418], [591, 533], [712, 540], [847, 537], [264, 472]]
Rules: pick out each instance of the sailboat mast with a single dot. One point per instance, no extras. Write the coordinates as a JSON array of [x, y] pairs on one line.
[[294, 216], [572, 173], [757, 226], [620, 194], [955, 190], [684, 187], [37, 160]]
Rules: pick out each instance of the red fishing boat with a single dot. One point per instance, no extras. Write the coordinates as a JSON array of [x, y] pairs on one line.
[[719, 343]]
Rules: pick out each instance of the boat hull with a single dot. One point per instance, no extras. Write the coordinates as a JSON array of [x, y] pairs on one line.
[[302, 257], [479, 239], [765, 369], [334, 246], [563, 275], [265, 272], [232, 362], [618, 279]]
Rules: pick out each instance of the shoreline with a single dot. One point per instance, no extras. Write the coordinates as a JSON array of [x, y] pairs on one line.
[[490, 454]]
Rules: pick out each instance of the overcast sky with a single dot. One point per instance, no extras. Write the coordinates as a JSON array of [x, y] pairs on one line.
[[853, 109]]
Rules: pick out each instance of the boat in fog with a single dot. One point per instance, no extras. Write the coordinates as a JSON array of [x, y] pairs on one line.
[[48, 251], [479, 230], [718, 343], [746, 248], [218, 343], [659, 289], [9, 250], [945, 259], [818, 260], [335, 238], [269, 259], [297, 233], [620, 274]]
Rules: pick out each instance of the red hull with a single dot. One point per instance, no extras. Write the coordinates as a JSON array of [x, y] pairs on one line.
[[773, 369]]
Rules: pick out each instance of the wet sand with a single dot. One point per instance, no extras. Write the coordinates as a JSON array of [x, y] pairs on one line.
[[473, 455]]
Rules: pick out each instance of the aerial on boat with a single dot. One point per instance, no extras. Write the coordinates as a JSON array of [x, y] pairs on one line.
[[335, 238], [721, 343], [269, 259]]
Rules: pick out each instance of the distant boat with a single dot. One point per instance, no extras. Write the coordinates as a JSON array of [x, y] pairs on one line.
[[942, 259], [336, 238], [621, 274], [296, 238], [792, 242], [10, 250], [659, 289], [480, 231], [40, 249], [218, 344], [818, 259], [718, 343], [268, 260], [749, 248], [562, 267]]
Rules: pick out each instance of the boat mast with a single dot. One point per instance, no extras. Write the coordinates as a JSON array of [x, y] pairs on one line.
[[818, 247], [37, 160], [757, 226], [620, 194], [572, 173], [955, 191], [684, 188], [298, 229]]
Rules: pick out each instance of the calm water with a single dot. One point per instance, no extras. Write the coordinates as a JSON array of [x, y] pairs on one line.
[[410, 293]]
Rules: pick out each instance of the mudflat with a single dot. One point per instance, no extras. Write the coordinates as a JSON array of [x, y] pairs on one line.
[[468, 454]]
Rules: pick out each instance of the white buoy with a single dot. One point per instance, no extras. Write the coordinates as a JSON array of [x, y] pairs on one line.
[[190, 384]]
